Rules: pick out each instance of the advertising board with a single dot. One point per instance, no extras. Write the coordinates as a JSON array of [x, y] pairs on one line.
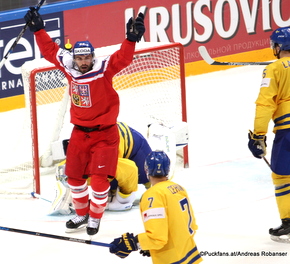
[[225, 27]]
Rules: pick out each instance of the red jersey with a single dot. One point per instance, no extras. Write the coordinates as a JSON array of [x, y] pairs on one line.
[[93, 98]]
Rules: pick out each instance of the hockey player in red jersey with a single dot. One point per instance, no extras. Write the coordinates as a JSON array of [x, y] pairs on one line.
[[93, 148], [133, 149]]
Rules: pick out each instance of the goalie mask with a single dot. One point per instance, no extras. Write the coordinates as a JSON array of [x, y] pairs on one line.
[[157, 164]]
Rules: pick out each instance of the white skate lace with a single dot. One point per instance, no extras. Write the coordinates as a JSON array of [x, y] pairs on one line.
[[93, 222], [78, 219]]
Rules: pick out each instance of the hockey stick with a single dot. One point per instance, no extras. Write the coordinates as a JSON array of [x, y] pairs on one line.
[[56, 204], [36, 195], [268, 163], [207, 58], [78, 240], [19, 37]]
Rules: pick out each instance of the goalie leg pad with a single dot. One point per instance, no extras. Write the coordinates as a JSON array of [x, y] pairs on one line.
[[62, 203]]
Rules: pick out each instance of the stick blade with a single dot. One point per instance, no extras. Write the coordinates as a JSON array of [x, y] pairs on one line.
[[207, 58], [205, 55]]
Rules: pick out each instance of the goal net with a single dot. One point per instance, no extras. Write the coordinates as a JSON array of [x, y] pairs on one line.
[[151, 89]]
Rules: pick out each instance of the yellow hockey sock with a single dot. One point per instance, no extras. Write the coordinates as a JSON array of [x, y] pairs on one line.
[[282, 194]]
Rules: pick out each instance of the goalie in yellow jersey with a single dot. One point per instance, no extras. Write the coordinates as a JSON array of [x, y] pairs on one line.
[[168, 219]]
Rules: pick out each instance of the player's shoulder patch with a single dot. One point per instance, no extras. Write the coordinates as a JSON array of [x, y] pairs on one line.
[[265, 82], [153, 213]]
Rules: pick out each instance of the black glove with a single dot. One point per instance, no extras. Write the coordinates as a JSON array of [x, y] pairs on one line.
[[135, 28], [124, 245], [34, 19], [257, 145], [145, 253]]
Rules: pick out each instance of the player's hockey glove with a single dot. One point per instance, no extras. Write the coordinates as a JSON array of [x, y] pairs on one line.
[[124, 245], [34, 19], [257, 144], [145, 253], [135, 28]]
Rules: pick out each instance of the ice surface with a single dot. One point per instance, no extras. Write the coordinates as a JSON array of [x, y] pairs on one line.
[[231, 191]]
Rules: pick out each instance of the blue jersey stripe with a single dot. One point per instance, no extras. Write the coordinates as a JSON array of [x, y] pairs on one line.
[[188, 255]]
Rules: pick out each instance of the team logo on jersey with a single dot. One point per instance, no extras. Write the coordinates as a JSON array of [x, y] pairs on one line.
[[80, 94]]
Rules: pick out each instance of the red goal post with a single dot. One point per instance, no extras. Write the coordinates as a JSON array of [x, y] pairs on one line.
[[151, 89]]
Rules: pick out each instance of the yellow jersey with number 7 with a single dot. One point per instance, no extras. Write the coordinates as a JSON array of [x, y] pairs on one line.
[[170, 225]]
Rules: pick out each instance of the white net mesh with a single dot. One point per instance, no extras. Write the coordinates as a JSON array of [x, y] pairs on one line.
[[149, 88]]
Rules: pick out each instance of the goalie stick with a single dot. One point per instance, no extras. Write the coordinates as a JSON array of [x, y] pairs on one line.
[[18, 37], [71, 239], [36, 195], [208, 59]]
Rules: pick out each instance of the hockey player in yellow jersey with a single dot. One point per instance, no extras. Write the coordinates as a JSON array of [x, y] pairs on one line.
[[168, 219], [133, 149], [273, 102]]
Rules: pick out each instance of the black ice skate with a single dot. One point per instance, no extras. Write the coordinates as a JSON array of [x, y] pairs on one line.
[[76, 223], [93, 226], [281, 233]]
